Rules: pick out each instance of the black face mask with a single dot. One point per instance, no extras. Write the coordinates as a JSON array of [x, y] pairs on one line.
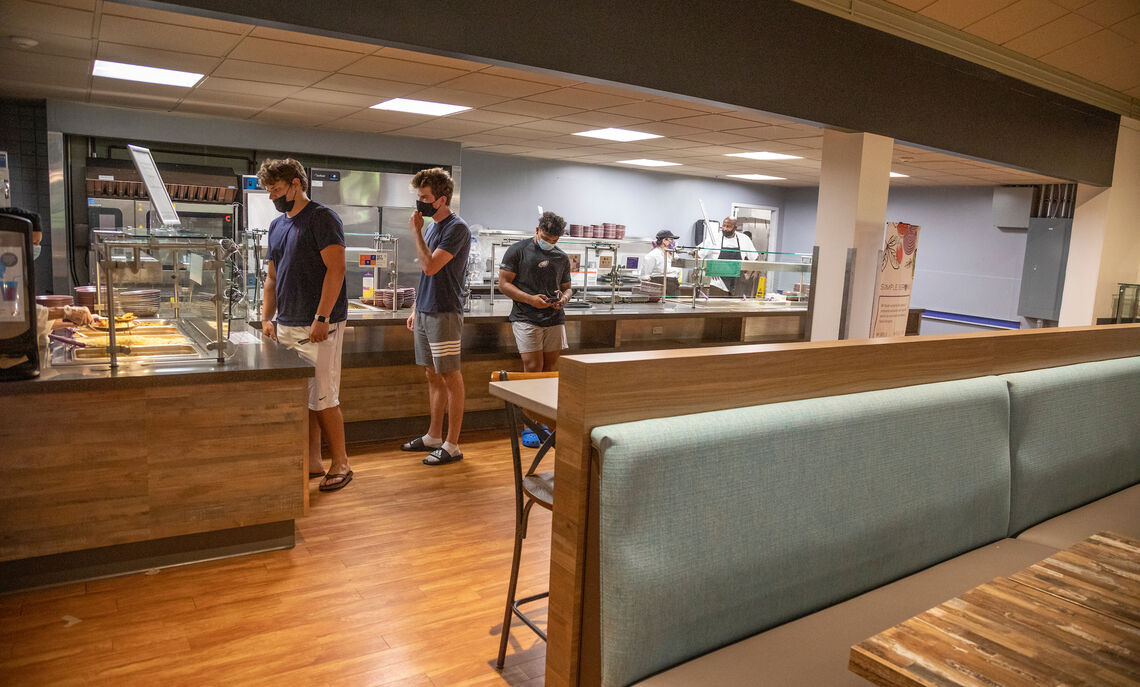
[[728, 234], [282, 204], [426, 209]]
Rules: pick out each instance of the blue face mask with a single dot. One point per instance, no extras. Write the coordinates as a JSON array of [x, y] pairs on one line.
[[545, 245], [36, 250]]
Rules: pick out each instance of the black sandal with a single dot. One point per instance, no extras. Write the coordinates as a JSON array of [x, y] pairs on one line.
[[442, 457], [417, 445], [344, 480]]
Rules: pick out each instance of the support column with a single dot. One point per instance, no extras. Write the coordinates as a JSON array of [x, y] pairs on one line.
[[853, 185], [1104, 248]]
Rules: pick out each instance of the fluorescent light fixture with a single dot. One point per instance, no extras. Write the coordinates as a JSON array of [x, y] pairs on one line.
[[649, 163], [756, 177], [765, 156], [137, 72], [623, 135], [896, 175], [423, 107]]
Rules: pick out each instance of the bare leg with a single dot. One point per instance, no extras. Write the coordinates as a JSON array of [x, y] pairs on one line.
[[437, 401], [332, 426], [550, 360], [315, 442], [454, 392], [532, 362]]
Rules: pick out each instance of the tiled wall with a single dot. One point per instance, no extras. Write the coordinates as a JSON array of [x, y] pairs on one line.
[[23, 134]]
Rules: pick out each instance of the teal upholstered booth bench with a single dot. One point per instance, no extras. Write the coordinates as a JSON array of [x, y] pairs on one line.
[[754, 546]]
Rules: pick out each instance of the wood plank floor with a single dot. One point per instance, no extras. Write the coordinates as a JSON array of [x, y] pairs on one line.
[[398, 580]]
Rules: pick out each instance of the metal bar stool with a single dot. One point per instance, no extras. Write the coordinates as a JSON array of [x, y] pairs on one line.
[[530, 488]]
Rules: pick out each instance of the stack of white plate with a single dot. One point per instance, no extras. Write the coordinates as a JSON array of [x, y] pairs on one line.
[[404, 297], [141, 302]]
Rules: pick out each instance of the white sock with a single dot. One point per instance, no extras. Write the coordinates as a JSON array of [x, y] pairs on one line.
[[452, 449], [433, 442]]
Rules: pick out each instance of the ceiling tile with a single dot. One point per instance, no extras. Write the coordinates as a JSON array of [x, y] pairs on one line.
[[1019, 18], [382, 67], [292, 54], [651, 110], [1119, 70], [526, 75], [1134, 92], [504, 149], [1072, 4], [618, 90], [1129, 28], [133, 100], [321, 95], [379, 89], [56, 44], [246, 101], [167, 37], [716, 137], [481, 82], [17, 16], [303, 112], [714, 122], [68, 72], [552, 125], [524, 133], [694, 104], [121, 87], [444, 127], [582, 98], [428, 58], [146, 14], [361, 124], [241, 86], [499, 118], [386, 120], [1056, 34], [530, 108], [313, 39], [669, 143], [271, 73], [73, 4], [1091, 50], [960, 13], [601, 120], [442, 94], [150, 57], [215, 109], [669, 129], [1109, 12]]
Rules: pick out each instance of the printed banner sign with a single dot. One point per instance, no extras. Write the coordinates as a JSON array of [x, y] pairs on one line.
[[896, 280]]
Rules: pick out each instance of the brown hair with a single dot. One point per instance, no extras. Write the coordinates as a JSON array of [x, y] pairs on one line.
[[272, 171], [437, 179]]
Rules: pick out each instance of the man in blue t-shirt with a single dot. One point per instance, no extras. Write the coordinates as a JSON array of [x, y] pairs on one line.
[[306, 291], [437, 322]]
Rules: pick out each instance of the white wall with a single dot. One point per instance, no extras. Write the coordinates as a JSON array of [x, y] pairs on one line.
[[965, 264], [501, 192]]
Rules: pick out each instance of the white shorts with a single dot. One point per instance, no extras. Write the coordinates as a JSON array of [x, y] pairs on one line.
[[532, 338], [324, 387]]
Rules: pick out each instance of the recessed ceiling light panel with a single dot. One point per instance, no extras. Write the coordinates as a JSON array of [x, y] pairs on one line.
[[765, 156], [423, 107], [756, 177], [137, 72], [623, 135], [649, 163]]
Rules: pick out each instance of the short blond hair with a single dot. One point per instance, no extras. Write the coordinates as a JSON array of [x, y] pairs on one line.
[[272, 171], [437, 179]]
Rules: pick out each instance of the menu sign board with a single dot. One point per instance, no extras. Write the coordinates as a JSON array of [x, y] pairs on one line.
[[148, 170], [896, 280]]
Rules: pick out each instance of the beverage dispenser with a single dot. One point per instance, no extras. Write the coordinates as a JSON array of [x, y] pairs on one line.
[[19, 356]]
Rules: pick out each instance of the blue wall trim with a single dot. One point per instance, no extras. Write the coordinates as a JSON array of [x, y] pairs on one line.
[[970, 319]]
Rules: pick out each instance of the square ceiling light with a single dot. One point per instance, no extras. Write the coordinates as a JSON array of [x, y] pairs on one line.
[[137, 72], [756, 177], [423, 107], [765, 156], [896, 175], [623, 135], [649, 163]]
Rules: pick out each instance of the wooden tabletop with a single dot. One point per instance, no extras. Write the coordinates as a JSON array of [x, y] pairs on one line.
[[1069, 619], [538, 396]]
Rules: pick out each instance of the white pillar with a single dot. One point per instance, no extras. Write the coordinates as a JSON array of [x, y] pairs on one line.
[[853, 185], [1104, 248]]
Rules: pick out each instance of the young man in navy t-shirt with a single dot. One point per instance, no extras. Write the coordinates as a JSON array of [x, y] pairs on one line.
[[306, 291], [437, 322]]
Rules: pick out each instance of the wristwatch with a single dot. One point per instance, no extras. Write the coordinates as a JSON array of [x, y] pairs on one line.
[[322, 318]]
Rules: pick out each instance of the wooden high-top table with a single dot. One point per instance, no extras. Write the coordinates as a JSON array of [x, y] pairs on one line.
[[1071, 619]]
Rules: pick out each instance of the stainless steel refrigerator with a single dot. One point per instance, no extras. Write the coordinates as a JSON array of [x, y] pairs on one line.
[[370, 202]]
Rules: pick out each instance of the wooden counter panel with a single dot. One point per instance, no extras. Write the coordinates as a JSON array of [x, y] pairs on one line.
[[100, 468]]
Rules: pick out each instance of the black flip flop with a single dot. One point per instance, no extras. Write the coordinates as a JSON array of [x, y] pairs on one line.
[[442, 457], [339, 485], [417, 445]]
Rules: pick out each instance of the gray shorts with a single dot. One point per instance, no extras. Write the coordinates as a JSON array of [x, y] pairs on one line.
[[531, 337], [437, 339]]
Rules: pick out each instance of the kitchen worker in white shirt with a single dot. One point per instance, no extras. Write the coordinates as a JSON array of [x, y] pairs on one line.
[[652, 265], [729, 244]]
